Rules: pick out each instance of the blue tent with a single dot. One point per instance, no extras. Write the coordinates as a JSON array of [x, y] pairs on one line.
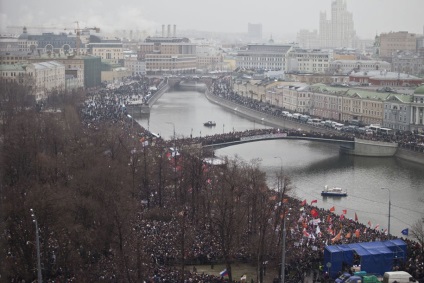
[[375, 257]]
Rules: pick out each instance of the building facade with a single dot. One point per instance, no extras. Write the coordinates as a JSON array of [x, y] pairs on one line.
[[346, 67], [384, 78], [168, 55], [417, 110], [408, 62], [392, 42], [49, 76], [338, 31], [397, 112], [263, 57], [313, 61], [111, 52], [346, 104]]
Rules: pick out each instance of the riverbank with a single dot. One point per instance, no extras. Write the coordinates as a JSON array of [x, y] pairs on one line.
[[269, 120]]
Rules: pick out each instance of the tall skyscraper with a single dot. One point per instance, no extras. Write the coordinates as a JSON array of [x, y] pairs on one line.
[[338, 31], [254, 32]]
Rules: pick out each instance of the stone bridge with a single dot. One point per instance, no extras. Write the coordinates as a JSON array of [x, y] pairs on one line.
[[358, 147], [344, 143]]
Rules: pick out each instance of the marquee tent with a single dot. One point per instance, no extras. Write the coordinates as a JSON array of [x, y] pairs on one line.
[[374, 257]]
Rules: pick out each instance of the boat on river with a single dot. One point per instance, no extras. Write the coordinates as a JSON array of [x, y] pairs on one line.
[[209, 124], [333, 192]]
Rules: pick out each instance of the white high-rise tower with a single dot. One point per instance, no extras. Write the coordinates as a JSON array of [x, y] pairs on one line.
[[338, 31]]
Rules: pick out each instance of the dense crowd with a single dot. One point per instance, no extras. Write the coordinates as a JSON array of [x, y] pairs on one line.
[[306, 237]]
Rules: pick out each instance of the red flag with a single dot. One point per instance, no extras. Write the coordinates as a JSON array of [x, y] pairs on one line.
[[303, 203], [356, 217], [314, 213], [306, 234], [369, 223], [332, 209], [314, 201], [342, 217], [377, 226], [344, 211], [329, 219], [273, 198], [357, 233], [337, 237]]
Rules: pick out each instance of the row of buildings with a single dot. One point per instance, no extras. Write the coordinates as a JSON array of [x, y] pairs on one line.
[[399, 111]]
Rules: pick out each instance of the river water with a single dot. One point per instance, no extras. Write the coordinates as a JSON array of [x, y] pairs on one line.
[[310, 165]]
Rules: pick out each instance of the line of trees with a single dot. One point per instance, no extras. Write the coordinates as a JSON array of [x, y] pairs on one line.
[[93, 188]]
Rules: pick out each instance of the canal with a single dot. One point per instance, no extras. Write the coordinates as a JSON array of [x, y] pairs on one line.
[[310, 165]]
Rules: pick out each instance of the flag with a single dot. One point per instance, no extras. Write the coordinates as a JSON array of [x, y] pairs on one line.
[[337, 237], [285, 200], [314, 201], [342, 217], [344, 211], [223, 273], [305, 233], [377, 226], [405, 231], [318, 230], [348, 235], [356, 217], [303, 203], [357, 233], [329, 219], [314, 213], [332, 209], [369, 223]]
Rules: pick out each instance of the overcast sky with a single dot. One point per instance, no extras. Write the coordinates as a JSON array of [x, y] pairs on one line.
[[282, 18]]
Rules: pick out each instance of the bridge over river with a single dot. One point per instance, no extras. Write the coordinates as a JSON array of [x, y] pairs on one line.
[[349, 144]]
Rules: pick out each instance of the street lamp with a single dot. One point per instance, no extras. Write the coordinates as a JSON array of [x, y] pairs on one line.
[[390, 204], [173, 127], [37, 240], [280, 177]]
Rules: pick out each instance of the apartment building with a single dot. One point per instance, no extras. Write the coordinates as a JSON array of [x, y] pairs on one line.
[[168, 55], [42, 78], [110, 51], [314, 61], [393, 41], [263, 57], [346, 104]]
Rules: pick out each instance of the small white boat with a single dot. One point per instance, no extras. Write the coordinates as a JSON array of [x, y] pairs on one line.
[[333, 192]]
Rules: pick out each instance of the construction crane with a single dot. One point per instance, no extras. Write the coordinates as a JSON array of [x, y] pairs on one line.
[[78, 31]]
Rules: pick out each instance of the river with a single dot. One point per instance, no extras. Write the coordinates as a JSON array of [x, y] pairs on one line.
[[310, 165]]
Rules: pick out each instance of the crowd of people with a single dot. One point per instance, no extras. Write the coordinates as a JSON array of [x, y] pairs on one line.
[[222, 88], [306, 237]]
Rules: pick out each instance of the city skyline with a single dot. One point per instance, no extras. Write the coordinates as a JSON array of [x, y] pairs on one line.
[[283, 19]]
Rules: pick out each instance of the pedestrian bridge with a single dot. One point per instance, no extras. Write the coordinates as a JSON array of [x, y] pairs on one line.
[[219, 144]]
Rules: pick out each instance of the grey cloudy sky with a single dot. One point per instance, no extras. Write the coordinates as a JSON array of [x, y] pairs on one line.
[[283, 18]]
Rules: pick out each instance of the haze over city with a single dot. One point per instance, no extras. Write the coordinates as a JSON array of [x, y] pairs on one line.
[[281, 19]]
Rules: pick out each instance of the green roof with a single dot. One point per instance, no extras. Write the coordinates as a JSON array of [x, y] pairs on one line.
[[419, 90], [345, 91]]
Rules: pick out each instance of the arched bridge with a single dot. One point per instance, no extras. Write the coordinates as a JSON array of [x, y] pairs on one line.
[[348, 144]]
